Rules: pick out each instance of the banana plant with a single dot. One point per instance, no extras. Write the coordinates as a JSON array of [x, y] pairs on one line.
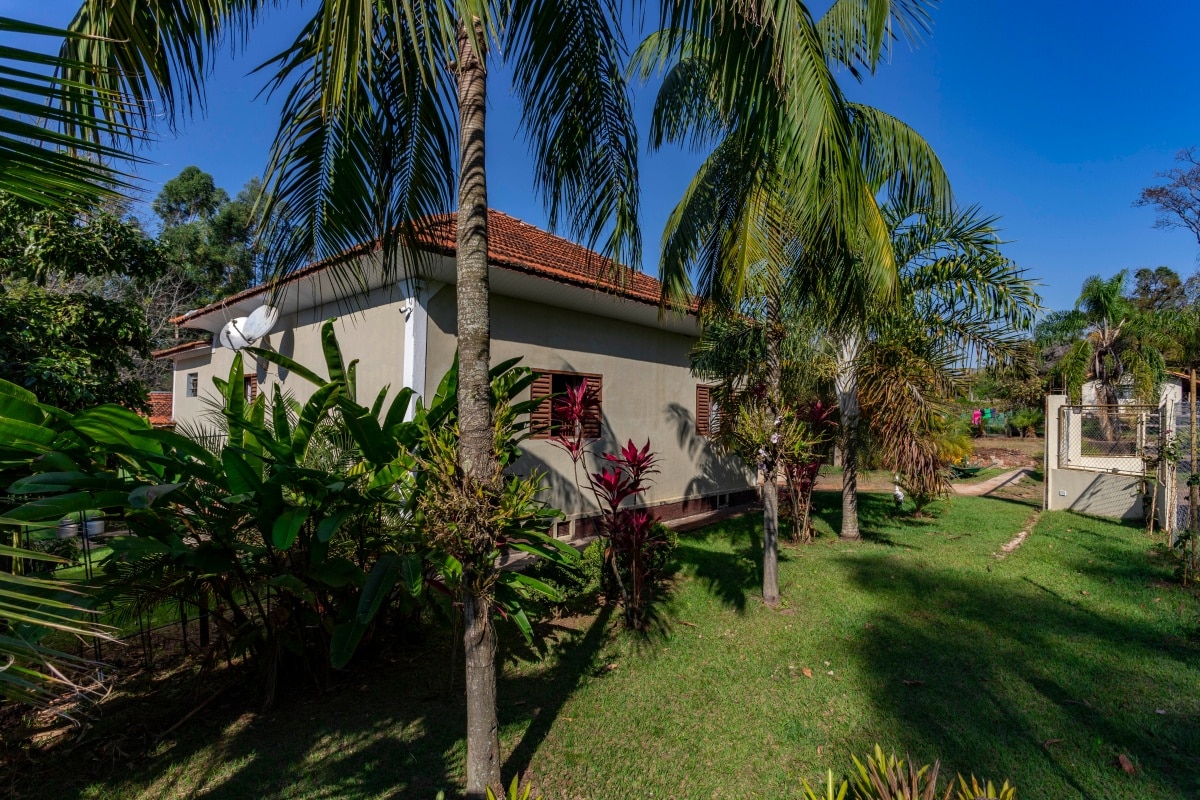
[[418, 459]]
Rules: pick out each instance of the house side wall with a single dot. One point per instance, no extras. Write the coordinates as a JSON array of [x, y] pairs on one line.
[[648, 393], [195, 413], [370, 329]]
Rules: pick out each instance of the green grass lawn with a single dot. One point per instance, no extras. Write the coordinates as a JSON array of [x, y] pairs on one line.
[[984, 474], [1042, 668]]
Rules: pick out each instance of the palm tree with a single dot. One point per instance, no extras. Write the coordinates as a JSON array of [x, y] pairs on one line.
[[958, 298], [794, 170], [366, 151], [1112, 341]]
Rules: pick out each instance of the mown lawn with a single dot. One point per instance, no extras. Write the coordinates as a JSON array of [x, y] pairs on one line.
[[1042, 667]]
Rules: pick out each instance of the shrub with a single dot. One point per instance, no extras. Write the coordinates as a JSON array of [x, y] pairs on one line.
[[881, 777], [631, 535]]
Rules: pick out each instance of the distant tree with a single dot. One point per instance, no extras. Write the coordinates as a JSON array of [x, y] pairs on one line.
[[208, 237], [1159, 289], [74, 328], [1017, 383], [1177, 201], [1111, 341]]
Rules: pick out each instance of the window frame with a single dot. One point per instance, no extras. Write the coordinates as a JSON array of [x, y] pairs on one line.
[[541, 420], [706, 410], [191, 384]]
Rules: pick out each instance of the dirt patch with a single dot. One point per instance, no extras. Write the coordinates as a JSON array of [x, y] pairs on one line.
[[1012, 544], [1008, 456]]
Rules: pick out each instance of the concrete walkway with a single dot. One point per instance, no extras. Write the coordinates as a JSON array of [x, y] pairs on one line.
[[991, 484]]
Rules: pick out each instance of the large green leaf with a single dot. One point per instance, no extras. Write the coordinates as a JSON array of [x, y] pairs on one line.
[[314, 411], [287, 526], [59, 506], [241, 477]]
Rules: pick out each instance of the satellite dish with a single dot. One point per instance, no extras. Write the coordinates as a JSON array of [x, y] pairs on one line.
[[232, 336], [242, 331], [260, 322]]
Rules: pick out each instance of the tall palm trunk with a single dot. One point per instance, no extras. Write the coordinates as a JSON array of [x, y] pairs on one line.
[[846, 387], [474, 407], [770, 489]]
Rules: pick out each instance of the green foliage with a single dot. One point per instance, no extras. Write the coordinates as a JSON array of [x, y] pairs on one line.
[[880, 777], [1109, 339], [73, 350], [208, 237], [515, 792], [65, 338], [294, 535], [1027, 421], [461, 517]]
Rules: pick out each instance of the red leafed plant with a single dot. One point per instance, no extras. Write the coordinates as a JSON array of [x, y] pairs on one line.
[[631, 535]]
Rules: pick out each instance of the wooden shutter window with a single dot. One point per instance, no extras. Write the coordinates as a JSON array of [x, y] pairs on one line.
[[548, 387], [540, 418], [703, 410], [595, 384]]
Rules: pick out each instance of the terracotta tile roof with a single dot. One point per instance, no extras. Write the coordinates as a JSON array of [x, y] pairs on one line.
[[527, 248], [512, 244], [180, 348], [160, 409]]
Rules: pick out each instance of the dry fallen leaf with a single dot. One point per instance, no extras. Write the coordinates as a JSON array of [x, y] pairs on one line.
[[1084, 591], [807, 672], [819, 749], [1126, 764], [1049, 742], [914, 683], [610, 667]]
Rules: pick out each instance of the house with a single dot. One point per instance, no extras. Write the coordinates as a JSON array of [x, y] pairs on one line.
[[1174, 388], [566, 311]]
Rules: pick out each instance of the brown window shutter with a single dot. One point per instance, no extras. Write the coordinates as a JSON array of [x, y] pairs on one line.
[[595, 384], [540, 417], [703, 410]]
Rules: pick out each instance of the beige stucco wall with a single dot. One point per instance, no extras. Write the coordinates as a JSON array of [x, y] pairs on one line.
[[648, 392], [648, 388], [195, 413], [370, 329]]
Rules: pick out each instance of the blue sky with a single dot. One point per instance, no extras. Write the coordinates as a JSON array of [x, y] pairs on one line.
[[1052, 115]]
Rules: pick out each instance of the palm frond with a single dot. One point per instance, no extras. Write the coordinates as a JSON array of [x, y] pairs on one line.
[[860, 33], [338, 186], [568, 70], [131, 63], [53, 155]]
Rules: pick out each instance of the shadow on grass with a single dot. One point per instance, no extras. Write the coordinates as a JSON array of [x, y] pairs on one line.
[[392, 728], [538, 700], [1006, 676], [731, 570]]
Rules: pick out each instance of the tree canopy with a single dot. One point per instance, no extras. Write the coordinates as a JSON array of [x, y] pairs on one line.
[[72, 335]]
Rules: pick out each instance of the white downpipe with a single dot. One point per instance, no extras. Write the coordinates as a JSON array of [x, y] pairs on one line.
[[416, 334]]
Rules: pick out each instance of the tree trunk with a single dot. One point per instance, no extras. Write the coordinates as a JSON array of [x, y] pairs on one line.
[[770, 494], [770, 502], [483, 727], [846, 386], [475, 453], [1193, 490]]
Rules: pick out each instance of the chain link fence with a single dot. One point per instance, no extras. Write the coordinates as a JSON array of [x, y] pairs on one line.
[[1123, 440]]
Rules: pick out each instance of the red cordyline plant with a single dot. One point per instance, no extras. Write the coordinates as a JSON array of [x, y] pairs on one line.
[[630, 534]]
